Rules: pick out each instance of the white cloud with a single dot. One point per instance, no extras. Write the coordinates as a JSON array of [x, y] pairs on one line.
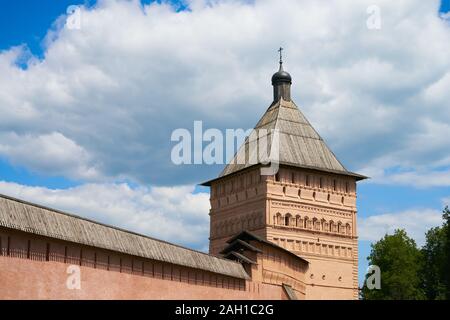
[[417, 178], [416, 222], [417, 148], [116, 88], [446, 201], [52, 152], [174, 214], [446, 15]]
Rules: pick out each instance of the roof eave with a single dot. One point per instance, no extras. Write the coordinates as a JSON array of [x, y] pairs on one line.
[[254, 237], [357, 176], [208, 183], [239, 242], [241, 258]]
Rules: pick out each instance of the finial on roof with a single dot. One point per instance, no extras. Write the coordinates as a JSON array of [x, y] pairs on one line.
[[281, 76], [281, 57], [281, 82]]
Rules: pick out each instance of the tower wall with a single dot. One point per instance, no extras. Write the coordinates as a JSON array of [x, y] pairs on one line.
[[238, 203], [308, 212], [313, 214]]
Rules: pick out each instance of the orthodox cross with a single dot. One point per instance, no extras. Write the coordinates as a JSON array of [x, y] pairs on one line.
[[281, 56]]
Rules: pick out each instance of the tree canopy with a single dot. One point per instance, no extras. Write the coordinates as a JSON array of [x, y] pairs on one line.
[[409, 272], [399, 260]]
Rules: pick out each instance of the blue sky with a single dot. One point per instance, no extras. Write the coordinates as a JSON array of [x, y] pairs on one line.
[[25, 22], [28, 21]]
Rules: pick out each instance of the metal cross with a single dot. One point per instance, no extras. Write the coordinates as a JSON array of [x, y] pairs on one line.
[[281, 56]]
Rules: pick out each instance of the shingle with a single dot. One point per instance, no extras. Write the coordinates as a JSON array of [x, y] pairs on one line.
[[299, 144]]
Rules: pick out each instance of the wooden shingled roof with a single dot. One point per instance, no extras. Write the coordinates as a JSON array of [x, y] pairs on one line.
[[299, 144], [246, 236], [32, 218]]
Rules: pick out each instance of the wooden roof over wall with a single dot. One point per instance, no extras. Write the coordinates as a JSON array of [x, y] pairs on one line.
[[32, 218], [247, 236]]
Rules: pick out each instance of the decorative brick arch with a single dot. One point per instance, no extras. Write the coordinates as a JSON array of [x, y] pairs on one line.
[[332, 226], [255, 220], [323, 224], [298, 221], [231, 226], [288, 219], [339, 227], [307, 222], [315, 224]]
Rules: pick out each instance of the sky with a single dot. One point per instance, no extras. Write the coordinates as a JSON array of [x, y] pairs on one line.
[[87, 113]]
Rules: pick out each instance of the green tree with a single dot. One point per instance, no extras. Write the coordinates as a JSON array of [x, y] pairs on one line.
[[433, 267], [446, 268], [399, 260]]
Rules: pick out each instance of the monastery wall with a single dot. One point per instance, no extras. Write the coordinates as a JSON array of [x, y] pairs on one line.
[[33, 267], [29, 279]]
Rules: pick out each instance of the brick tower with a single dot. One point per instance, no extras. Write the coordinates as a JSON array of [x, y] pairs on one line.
[[307, 207]]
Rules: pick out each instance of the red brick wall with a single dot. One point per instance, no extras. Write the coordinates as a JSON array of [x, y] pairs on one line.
[[33, 267], [28, 279]]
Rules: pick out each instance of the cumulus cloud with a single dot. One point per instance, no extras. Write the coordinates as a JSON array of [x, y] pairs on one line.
[[51, 152], [446, 201], [419, 179], [174, 214], [416, 223], [111, 92]]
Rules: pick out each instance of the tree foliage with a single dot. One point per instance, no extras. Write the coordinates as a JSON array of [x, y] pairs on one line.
[[446, 263], [433, 266], [411, 273], [399, 260], [436, 264]]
